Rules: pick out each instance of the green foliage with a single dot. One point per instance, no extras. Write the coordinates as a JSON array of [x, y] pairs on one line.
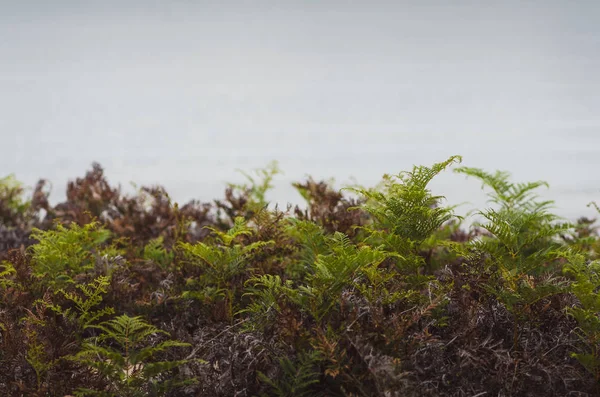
[[7, 271], [84, 312], [258, 185], [406, 207], [266, 293], [124, 356], [585, 238], [392, 299], [380, 286], [312, 242], [518, 292], [407, 217], [297, 378], [221, 261], [12, 203], [67, 251], [506, 194], [585, 287], [332, 273], [156, 252], [345, 267], [37, 357], [523, 230], [523, 243], [37, 351]]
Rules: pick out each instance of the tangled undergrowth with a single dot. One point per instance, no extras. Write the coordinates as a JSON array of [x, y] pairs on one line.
[[384, 293]]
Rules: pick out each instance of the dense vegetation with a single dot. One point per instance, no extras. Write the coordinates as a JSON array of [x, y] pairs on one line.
[[365, 292]]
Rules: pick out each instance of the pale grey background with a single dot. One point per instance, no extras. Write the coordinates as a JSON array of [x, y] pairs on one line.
[[182, 93]]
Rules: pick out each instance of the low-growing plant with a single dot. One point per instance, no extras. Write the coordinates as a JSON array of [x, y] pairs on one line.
[[37, 354], [66, 252], [311, 241], [156, 252], [297, 377], [14, 207], [266, 292], [7, 271], [332, 273], [523, 245], [406, 218], [406, 214], [258, 185], [406, 207], [84, 311], [123, 355], [220, 262], [524, 233], [246, 199], [385, 293], [585, 287]]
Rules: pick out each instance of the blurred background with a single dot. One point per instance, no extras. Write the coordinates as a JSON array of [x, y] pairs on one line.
[[181, 93]]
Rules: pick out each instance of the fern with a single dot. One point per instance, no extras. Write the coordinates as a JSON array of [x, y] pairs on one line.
[[523, 243], [222, 262], [84, 313], [258, 185], [407, 216], [155, 252], [312, 242], [266, 293], [297, 378], [407, 220], [13, 206], [123, 356], [37, 357], [333, 272], [506, 194], [406, 207], [65, 252], [310, 237], [523, 232], [346, 266], [37, 351], [7, 270], [585, 287]]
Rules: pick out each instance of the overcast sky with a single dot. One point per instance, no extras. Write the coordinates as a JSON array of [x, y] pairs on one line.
[[183, 92]]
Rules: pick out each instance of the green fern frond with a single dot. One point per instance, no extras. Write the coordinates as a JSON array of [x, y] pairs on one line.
[[523, 230], [406, 206], [122, 354], [240, 228], [310, 237], [222, 263], [65, 252], [333, 272], [265, 293], [156, 252], [297, 378], [84, 314], [505, 193], [7, 270], [259, 184]]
